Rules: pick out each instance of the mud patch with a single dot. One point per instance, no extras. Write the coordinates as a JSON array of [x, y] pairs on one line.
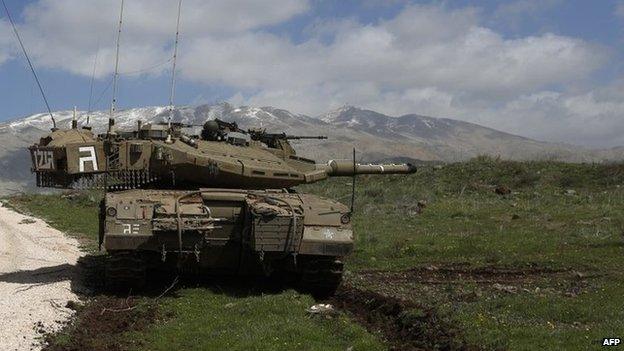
[[465, 273], [466, 282], [99, 324], [403, 324]]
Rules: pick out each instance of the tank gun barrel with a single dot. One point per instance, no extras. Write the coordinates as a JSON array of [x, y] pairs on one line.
[[341, 168], [302, 137], [263, 136]]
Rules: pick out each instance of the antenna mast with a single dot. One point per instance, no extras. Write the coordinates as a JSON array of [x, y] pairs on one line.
[[97, 53], [111, 120], [173, 70], [32, 68]]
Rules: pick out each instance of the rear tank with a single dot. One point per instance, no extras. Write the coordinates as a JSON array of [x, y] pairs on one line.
[[221, 202]]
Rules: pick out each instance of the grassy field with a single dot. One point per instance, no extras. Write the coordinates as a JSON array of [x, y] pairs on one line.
[[540, 268], [537, 268]]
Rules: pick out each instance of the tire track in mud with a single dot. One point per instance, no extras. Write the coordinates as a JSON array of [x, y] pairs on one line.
[[403, 325], [386, 306]]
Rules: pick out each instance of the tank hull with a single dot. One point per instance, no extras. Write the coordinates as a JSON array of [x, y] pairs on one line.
[[227, 232]]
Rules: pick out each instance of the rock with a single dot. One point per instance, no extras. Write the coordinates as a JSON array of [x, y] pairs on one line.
[[579, 275], [502, 190], [432, 267], [506, 288], [321, 308], [70, 195], [570, 192], [72, 305], [420, 206]]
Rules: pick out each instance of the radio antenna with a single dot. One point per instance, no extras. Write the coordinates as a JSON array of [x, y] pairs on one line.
[[353, 184], [97, 53], [111, 120], [173, 69], [32, 68]]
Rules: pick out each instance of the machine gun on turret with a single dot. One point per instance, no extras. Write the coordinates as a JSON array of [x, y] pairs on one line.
[[276, 140]]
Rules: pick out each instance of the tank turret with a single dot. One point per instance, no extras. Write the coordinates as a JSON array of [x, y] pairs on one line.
[[167, 156]]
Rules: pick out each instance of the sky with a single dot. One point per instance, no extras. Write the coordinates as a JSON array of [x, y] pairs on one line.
[[545, 69]]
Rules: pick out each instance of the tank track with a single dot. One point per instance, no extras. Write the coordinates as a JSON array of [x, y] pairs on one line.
[[125, 270], [322, 277]]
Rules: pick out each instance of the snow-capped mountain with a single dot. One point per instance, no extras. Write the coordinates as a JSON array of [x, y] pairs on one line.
[[375, 135]]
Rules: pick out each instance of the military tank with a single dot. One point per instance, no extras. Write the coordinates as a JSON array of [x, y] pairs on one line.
[[219, 202]]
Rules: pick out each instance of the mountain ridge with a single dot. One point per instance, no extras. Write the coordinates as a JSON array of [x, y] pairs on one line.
[[376, 136]]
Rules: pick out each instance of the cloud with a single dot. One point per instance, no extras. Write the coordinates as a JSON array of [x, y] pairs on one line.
[[7, 47], [588, 118], [423, 46], [428, 59], [66, 34], [619, 9]]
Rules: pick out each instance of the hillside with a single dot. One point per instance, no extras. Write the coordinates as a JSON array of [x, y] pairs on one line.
[[374, 135]]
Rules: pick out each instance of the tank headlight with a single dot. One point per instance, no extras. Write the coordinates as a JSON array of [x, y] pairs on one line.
[[111, 211], [345, 218]]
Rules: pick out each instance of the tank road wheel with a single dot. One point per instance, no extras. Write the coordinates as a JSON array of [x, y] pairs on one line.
[[125, 270], [321, 277]]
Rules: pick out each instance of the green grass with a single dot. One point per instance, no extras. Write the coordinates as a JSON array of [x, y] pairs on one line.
[[564, 217], [212, 321], [543, 223]]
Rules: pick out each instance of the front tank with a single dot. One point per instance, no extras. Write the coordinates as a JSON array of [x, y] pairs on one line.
[[226, 231]]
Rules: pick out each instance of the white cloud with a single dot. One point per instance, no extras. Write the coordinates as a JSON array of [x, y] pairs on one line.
[[66, 34], [422, 47], [6, 41], [585, 118], [428, 59]]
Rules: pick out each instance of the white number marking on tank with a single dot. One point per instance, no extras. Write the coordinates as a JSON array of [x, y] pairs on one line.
[[91, 158], [131, 228], [44, 159]]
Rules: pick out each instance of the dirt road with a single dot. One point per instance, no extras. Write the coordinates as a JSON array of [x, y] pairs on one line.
[[36, 267]]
